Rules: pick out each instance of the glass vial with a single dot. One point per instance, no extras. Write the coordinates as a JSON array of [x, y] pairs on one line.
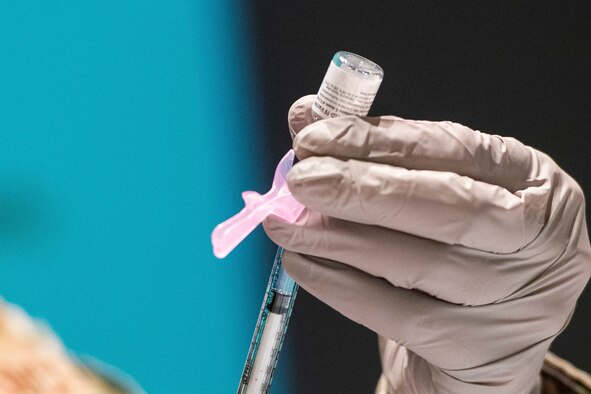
[[349, 87]]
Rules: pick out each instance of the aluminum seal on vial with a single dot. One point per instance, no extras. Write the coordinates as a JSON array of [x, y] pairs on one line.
[[349, 87]]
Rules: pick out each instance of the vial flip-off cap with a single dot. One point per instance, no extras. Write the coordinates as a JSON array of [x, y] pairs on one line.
[[277, 201]]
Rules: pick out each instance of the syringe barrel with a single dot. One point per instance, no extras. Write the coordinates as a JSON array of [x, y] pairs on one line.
[[270, 331], [284, 284]]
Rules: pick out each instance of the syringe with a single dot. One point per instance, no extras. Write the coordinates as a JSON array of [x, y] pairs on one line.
[[270, 330], [349, 88]]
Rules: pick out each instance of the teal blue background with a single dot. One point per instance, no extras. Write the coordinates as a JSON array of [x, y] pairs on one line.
[[127, 131]]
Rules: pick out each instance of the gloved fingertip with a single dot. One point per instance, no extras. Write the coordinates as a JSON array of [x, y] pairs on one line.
[[300, 114], [313, 140], [295, 180], [299, 267], [274, 223], [301, 152], [277, 229], [315, 172]]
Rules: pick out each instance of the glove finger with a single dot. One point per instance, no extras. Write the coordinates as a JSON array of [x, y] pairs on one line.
[[451, 273], [441, 206], [421, 145], [390, 311], [432, 328], [300, 114]]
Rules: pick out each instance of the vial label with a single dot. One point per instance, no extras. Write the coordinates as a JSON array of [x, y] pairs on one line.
[[343, 93]]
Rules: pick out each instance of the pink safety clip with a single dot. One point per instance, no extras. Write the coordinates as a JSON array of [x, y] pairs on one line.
[[277, 201]]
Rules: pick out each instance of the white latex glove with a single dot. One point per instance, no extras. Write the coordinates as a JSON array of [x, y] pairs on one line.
[[466, 249]]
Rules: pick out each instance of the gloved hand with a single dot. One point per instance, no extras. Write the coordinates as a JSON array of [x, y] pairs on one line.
[[467, 251]]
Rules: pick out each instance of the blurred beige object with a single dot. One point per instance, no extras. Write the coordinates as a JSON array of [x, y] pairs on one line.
[[33, 359]]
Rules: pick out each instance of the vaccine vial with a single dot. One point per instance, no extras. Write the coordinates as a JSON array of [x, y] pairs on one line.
[[349, 87]]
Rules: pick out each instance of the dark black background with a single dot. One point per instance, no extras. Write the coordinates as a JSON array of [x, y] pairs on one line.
[[518, 69]]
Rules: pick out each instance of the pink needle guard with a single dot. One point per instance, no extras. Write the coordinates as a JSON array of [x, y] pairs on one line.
[[277, 201]]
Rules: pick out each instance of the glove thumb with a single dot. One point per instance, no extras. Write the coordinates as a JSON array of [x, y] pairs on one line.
[[300, 114]]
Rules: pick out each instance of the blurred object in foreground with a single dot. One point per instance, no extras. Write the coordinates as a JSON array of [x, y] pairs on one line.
[[33, 360]]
